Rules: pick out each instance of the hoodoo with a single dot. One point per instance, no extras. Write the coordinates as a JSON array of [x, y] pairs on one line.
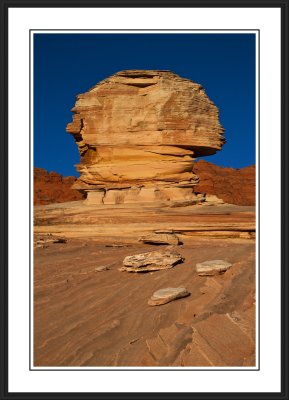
[[138, 133]]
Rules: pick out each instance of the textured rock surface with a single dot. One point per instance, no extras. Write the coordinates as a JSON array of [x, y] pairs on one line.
[[84, 318], [138, 133], [126, 223], [161, 238], [234, 186], [212, 267], [51, 187], [153, 261], [163, 296]]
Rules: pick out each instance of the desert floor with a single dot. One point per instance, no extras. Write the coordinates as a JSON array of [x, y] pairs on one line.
[[87, 318]]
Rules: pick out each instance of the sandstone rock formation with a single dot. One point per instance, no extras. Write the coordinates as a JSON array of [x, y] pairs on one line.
[[138, 133], [153, 261], [166, 295], [212, 267], [234, 186], [51, 187]]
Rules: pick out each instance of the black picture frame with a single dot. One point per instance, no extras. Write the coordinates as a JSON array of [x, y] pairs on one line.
[[284, 8]]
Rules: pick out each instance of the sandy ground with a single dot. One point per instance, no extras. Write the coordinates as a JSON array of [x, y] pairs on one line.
[[88, 318]]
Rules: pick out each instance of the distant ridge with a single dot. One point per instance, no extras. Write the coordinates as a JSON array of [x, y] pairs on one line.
[[51, 187], [234, 186]]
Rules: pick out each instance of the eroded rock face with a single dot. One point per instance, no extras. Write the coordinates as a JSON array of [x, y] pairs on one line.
[[138, 133]]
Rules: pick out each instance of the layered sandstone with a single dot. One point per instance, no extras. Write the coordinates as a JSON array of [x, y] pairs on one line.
[[233, 186], [138, 133]]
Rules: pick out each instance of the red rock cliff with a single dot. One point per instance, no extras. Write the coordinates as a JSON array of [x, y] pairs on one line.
[[234, 186], [51, 187]]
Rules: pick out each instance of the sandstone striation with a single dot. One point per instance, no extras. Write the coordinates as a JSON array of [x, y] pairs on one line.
[[138, 133]]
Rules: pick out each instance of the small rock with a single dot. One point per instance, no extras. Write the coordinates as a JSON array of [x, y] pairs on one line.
[[212, 267], [153, 261], [161, 238], [60, 240], [45, 240], [166, 295], [101, 268], [134, 340]]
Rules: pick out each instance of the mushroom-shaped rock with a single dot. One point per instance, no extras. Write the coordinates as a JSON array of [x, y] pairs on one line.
[[212, 267], [138, 133], [166, 295]]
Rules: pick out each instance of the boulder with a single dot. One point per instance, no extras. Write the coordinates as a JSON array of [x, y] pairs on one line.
[[166, 295], [212, 267], [161, 238], [152, 261], [138, 133]]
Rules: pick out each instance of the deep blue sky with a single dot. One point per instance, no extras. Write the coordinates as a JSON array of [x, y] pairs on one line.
[[68, 64]]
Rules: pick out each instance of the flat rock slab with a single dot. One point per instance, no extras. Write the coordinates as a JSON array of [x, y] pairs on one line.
[[152, 261], [166, 295], [161, 238], [212, 267]]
